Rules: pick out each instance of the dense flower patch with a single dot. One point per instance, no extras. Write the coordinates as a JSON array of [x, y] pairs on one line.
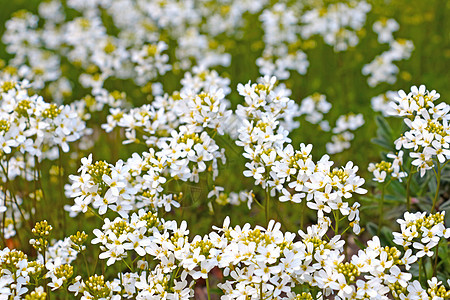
[[111, 165]]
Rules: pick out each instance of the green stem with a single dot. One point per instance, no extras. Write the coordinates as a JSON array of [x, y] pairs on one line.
[[131, 269], [95, 213], [420, 270], [207, 288], [267, 204], [381, 212], [438, 179], [336, 221], [424, 269], [436, 261], [302, 213], [261, 291], [61, 190], [408, 190], [86, 263]]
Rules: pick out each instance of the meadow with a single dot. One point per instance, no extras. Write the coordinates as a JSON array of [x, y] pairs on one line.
[[163, 149]]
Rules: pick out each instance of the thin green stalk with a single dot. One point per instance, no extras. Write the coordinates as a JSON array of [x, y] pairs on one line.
[[267, 204], [86, 263], [13, 195], [95, 213], [261, 291], [207, 288], [381, 210], [131, 269], [336, 221], [436, 261], [302, 213], [424, 269], [438, 179], [420, 269], [408, 190], [61, 191]]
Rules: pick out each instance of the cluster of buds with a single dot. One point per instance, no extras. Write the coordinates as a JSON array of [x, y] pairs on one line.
[[37, 294], [42, 232], [78, 240]]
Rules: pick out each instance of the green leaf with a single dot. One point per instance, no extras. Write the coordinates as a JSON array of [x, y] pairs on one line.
[[372, 228], [384, 130], [381, 142], [445, 205], [359, 243], [386, 236]]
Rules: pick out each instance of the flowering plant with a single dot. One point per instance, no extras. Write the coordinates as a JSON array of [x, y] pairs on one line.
[[140, 161]]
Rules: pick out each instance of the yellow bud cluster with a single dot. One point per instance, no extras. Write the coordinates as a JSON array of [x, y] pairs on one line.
[[261, 125], [397, 290], [11, 260], [434, 127], [204, 246], [35, 268], [42, 229], [260, 88], [393, 254], [317, 243], [37, 294], [109, 48], [176, 96], [7, 86], [151, 219], [341, 174], [152, 50], [4, 126], [427, 100], [349, 270], [258, 237], [52, 112], [97, 170], [78, 240], [97, 287], [64, 272], [439, 292], [190, 136], [428, 222], [121, 227], [23, 107], [384, 166], [304, 296]]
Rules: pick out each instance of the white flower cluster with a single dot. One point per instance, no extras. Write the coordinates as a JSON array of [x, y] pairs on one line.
[[381, 103], [138, 48], [315, 107], [233, 198], [384, 168], [337, 23], [150, 62], [137, 52], [199, 105], [30, 125], [11, 214], [139, 182], [422, 232], [382, 68], [342, 132], [279, 168], [279, 61], [428, 136], [17, 271], [385, 28], [281, 29], [256, 262]]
